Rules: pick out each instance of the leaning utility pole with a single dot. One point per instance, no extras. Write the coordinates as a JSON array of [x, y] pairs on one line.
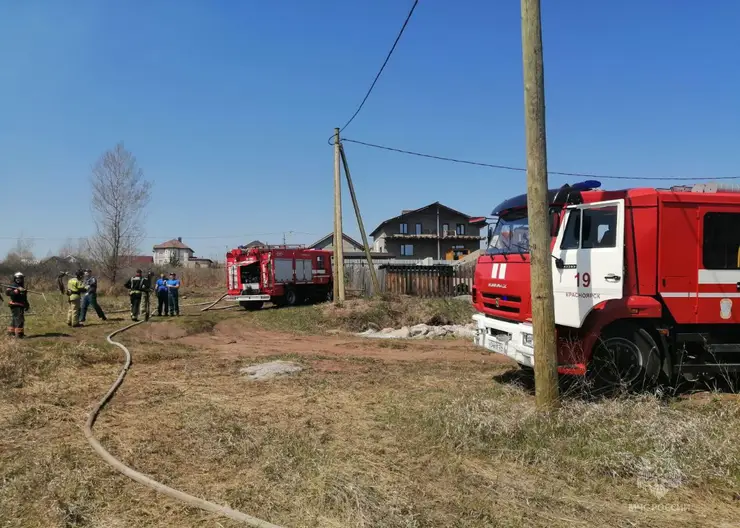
[[338, 268], [360, 224], [543, 310]]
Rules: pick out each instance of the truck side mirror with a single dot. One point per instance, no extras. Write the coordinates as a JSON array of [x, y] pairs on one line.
[[489, 236]]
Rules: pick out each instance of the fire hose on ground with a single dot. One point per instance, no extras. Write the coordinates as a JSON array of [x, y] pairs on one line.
[[140, 477]]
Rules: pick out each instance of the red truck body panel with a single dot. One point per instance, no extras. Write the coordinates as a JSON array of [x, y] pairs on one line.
[[270, 271], [665, 276]]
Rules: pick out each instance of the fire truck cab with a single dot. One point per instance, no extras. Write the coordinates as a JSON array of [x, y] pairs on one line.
[[646, 282]]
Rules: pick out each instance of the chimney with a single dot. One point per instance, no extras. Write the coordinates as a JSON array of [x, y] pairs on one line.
[[179, 239]]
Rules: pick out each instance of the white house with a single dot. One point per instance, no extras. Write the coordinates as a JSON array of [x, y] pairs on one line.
[[172, 251], [175, 251]]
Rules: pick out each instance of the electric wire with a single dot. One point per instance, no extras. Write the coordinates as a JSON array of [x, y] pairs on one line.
[[219, 237], [387, 58], [140, 477], [522, 169]]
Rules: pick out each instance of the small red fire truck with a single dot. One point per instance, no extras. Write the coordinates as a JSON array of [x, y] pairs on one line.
[[646, 282], [283, 275]]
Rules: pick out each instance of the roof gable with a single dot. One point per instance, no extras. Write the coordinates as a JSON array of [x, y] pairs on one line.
[[419, 210], [173, 244], [346, 238]]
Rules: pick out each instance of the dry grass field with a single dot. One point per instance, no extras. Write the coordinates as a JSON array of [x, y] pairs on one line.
[[373, 433]]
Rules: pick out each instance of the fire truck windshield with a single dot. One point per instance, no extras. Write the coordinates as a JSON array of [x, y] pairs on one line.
[[510, 235]]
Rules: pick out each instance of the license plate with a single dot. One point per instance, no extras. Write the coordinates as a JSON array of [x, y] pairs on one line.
[[495, 346]]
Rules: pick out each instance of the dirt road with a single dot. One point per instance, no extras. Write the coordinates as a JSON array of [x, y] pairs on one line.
[[232, 338]]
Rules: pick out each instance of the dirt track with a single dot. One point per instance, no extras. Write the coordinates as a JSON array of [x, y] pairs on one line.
[[232, 338]]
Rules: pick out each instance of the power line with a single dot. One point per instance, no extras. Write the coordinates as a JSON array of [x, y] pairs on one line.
[[408, 17], [522, 169], [244, 235]]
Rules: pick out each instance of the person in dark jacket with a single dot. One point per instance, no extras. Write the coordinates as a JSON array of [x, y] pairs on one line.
[[162, 296], [91, 297], [18, 302], [136, 286]]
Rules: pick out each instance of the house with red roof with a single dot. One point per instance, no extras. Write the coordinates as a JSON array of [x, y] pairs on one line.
[[176, 252]]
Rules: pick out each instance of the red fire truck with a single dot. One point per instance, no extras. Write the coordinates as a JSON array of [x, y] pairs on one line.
[[284, 275], [646, 282]]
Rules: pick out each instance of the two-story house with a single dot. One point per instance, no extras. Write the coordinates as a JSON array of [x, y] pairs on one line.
[[433, 231], [176, 252], [172, 251]]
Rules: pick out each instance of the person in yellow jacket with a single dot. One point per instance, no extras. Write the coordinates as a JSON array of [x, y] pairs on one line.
[[75, 291]]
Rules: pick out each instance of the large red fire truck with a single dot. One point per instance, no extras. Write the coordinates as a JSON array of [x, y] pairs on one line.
[[283, 275], [646, 282]]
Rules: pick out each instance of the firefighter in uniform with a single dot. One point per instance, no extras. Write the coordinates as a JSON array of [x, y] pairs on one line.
[[75, 290], [136, 285], [18, 302]]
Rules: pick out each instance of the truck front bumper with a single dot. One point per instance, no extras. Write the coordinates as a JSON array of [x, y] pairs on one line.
[[248, 298], [513, 340]]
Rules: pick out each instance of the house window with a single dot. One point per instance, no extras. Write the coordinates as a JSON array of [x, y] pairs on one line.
[[407, 250], [590, 229], [721, 244], [404, 229], [418, 229], [460, 229], [445, 229]]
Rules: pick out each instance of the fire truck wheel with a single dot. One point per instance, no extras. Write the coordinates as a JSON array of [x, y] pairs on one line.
[[291, 299], [626, 357]]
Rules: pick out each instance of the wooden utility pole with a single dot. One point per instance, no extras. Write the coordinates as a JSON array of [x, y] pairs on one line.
[[439, 254], [543, 310], [360, 224], [338, 267]]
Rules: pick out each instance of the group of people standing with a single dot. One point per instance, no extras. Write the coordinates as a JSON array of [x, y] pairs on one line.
[[81, 291], [168, 295], [82, 294], [167, 290]]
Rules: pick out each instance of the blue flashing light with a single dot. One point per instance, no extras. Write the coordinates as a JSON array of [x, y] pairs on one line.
[[586, 185]]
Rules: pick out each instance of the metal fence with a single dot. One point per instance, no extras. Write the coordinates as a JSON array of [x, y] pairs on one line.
[[435, 280]]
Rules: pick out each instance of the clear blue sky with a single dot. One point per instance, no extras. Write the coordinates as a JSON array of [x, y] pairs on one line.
[[227, 106]]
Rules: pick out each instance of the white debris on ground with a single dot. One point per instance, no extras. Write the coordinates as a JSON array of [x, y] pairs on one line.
[[422, 331], [273, 369]]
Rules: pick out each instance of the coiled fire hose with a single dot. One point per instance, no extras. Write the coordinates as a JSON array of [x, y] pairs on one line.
[[140, 477]]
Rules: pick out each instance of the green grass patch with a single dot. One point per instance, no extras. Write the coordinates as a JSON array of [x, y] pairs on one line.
[[300, 319]]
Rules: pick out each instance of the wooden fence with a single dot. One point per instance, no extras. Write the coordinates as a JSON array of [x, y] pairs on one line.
[[436, 280]]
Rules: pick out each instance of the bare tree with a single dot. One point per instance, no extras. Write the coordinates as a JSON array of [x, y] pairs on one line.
[[74, 248], [120, 195], [175, 261], [22, 253]]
